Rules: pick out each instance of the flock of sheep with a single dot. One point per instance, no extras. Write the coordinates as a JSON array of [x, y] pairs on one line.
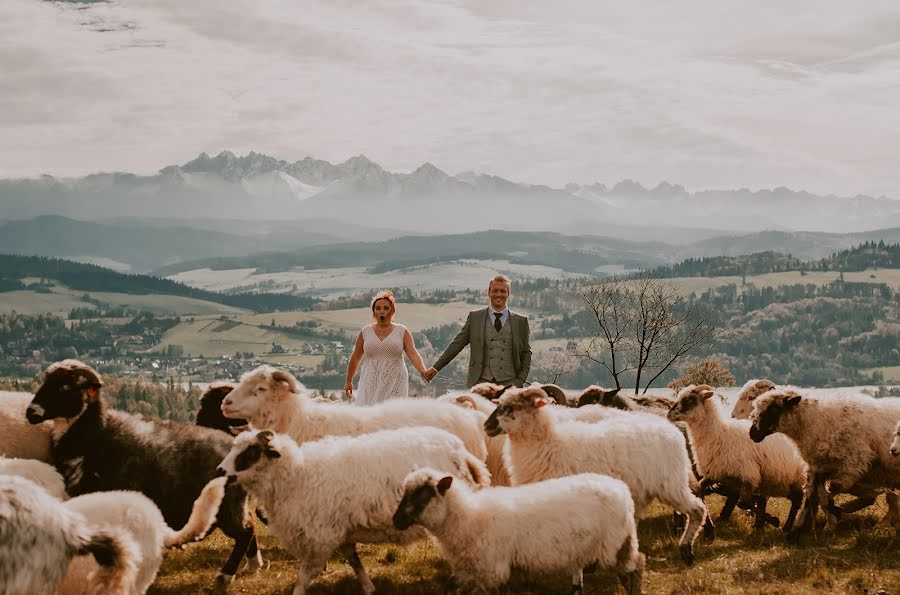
[[500, 477]]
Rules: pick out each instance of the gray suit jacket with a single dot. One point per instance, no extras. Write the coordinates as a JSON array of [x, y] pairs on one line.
[[472, 334]]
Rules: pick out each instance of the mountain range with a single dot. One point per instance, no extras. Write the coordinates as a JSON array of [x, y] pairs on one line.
[[257, 187]]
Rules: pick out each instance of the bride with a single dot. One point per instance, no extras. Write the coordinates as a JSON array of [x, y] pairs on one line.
[[380, 346]]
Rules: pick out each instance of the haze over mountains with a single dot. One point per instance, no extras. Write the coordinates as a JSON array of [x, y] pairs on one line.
[[257, 187]]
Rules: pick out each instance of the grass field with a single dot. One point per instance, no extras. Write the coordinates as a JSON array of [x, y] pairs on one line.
[[859, 558], [251, 332], [891, 373], [61, 300]]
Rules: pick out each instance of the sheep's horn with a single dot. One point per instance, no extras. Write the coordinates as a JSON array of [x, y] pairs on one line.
[[467, 399], [556, 393]]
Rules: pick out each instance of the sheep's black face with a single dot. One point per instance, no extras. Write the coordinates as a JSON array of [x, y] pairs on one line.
[[768, 415], [492, 425], [65, 393], [210, 413], [683, 406], [600, 396], [412, 505]]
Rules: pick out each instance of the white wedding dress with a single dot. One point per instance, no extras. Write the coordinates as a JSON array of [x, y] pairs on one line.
[[383, 375]]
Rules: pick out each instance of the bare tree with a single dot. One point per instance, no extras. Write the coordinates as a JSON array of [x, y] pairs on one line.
[[554, 367], [608, 303], [643, 324]]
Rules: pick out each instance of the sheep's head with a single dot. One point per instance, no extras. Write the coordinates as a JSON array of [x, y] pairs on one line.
[[513, 408], [751, 389], [69, 387], [249, 451], [489, 390], [210, 413], [597, 395], [556, 393], [769, 411], [423, 490], [256, 388], [895, 444], [689, 404]]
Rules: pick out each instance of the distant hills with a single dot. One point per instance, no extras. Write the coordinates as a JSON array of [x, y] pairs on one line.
[[257, 187], [168, 246]]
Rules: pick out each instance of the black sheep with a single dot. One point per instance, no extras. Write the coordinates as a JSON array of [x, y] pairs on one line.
[[99, 449]]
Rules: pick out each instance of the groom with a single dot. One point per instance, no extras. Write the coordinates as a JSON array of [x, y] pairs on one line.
[[498, 339]]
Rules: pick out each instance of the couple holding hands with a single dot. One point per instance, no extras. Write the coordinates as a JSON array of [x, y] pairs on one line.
[[498, 339]]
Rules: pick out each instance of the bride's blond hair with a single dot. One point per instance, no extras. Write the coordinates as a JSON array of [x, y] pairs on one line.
[[388, 295]]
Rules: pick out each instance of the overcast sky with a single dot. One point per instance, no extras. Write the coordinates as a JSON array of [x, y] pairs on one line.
[[751, 93]]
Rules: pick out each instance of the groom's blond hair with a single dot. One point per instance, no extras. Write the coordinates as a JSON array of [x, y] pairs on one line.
[[500, 279]]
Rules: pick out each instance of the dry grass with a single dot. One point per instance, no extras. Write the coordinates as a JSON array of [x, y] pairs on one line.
[[859, 558]]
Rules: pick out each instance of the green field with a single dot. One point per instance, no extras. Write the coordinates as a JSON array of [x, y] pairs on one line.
[[891, 373], [61, 300], [859, 558], [699, 284], [252, 332]]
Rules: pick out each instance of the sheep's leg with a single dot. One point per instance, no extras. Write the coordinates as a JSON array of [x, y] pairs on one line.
[[893, 513], [805, 522], [578, 583], [348, 550], [235, 521], [693, 507], [760, 504], [630, 566], [796, 499], [309, 569], [254, 556], [731, 501]]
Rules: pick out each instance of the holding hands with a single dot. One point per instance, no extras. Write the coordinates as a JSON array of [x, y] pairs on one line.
[[429, 374]]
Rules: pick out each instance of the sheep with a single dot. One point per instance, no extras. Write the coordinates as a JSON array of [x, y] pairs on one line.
[[270, 398], [209, 415], [39, 535], [844, 441], [483, 534], [644, 451], [332, 493], [19, 439], [751, 389], [97, 449], [895, 441], [135, 514], [726, 454], [495, 444], [38, 472], [597, 395]]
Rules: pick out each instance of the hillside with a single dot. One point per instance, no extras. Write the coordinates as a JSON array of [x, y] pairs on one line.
[[15, 270]]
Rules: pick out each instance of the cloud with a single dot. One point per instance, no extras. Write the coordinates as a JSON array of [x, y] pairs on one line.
[[751, 94]]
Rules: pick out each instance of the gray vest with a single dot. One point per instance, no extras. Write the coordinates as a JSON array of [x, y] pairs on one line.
[[498, 354]]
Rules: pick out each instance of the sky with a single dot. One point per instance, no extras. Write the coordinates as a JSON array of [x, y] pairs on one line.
[[748, 93]]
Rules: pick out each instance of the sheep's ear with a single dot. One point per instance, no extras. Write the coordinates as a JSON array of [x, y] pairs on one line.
[[612, 392], [539, 402], [287, 378], [706, 393], [503, 390], [444, 484], [495, 401], [265, 437], [792, 401]]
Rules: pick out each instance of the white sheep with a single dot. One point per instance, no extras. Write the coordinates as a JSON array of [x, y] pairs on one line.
[[134, 514], [845, 441], [643, 450], [18, 438], [482, 407], [329, 494], [559, 524], [269, 398], [751, 389], [39, 535], [725, 454], [39, 472]]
